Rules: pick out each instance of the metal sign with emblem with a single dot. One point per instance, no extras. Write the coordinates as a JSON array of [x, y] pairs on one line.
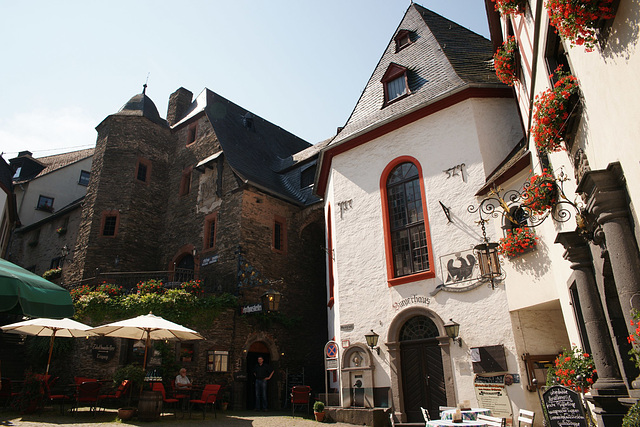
[[331, 361]]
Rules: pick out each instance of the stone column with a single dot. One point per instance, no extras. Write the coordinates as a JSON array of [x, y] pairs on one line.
[[607, 201], [595, 322]]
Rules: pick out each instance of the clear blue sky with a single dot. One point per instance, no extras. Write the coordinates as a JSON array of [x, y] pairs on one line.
[[66, 65]]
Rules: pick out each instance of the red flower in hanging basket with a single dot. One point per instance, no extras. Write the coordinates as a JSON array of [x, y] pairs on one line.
[[507, 7], [504, 61], [517, 241], [552, 109], [577, 20], [540, 192]]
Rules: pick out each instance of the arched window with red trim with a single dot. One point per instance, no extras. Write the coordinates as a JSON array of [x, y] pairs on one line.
[[407, 240]]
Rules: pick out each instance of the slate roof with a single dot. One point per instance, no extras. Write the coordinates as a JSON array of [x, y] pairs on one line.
[[442, 59], [255, 148], [142, 105], [58, 161]]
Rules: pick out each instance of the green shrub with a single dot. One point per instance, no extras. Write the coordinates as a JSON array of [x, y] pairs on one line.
[[632, 419], [318, 406]]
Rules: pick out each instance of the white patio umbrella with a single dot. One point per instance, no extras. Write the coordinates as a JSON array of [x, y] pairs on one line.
[[44, 327], [147, 328]]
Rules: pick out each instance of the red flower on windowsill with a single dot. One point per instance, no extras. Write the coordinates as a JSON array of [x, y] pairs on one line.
[[504, 61], [517, 242], [508, 7], [577, 20], [552, 109]]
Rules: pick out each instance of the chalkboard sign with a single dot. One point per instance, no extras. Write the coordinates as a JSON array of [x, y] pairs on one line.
[[564, 407], [103, 349]]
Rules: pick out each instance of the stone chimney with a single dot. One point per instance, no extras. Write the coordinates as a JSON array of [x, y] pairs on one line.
[[179, 102]]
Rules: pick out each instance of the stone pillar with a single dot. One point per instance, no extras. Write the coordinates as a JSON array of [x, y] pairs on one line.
[[606, 199], [595, 322]]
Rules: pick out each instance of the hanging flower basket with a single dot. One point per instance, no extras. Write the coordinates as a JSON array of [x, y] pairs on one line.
[[52, 274], [508, 7], [552, 109], [577, 20], [504, 61], [517, 242], [540, 192], [61, 230]]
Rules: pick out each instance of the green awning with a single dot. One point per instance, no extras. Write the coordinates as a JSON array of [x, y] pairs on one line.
[[23, 292]]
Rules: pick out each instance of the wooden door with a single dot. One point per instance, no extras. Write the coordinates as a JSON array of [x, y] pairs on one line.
[[422, 378]]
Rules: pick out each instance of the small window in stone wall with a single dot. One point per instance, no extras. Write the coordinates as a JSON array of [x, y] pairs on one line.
[[84, 178], [110, 223], [185, 182], [45, 204], [217, 361], [143, 170], [210, 231], [186, 352], [279, 234], [193, 133]]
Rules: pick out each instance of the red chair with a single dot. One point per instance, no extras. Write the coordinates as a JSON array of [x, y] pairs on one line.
[[301, 396], [119, 393], [56, 396], [87, 395], [209, 396], [171, 401], [6, 393], [177, 393]]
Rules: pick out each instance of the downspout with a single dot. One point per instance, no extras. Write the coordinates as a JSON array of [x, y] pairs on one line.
[[534, 65]]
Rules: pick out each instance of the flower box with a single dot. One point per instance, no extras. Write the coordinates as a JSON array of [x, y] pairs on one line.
[[518, 241], [553, 109], [505, 61], [578, 20], [508, 7], [61, 231]]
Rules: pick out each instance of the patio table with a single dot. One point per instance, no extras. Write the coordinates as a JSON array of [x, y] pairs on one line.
[[469, 415], [448, 423]]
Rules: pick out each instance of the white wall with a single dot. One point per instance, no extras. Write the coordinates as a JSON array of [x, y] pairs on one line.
[[61, 184]]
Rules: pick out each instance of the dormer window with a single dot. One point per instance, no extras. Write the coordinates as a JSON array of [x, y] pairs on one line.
[[395, 83], [403, 39]]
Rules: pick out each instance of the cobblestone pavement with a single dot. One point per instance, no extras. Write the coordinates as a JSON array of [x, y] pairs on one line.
[[51, 417]]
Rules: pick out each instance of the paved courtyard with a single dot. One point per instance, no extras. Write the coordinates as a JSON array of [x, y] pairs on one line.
[[51, 417]]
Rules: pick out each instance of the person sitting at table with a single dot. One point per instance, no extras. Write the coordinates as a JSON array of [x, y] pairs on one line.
[[182, 381]]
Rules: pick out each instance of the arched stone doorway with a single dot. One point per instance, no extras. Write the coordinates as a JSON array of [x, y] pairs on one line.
[[184, 265], [261, 345], [419, 354]]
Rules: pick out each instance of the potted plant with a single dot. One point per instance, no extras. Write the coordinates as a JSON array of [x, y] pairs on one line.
[[517, 242], [136, 375], [52, 274], [225, 397], [61, 230], [540, 192], [504, 61], [318, 410], [507, 7], [576, 21], [552, 109], [186, 354], [568, 366]]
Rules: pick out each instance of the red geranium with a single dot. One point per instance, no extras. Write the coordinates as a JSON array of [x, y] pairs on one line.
[[504, 61], [507, 7], [540, 192], [517, 241], [576, 20], [551, 112]]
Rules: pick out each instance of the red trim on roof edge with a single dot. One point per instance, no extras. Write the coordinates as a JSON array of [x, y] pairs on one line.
[[400, 122]]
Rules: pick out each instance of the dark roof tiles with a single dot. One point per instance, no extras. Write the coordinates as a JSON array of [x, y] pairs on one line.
[[59, 161]]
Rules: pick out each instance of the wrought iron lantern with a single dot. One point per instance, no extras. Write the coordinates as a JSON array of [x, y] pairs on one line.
[[453, 331], [372, 341], [271, 301]]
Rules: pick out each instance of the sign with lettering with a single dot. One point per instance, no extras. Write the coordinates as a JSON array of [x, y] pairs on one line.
[[491, 393], [413, 299], [564, 407], [209, 260], [253, 308], [103, 349]]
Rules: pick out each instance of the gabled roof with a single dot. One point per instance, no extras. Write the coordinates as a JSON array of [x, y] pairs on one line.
[[442, 59], [59, 161], [254, 147]]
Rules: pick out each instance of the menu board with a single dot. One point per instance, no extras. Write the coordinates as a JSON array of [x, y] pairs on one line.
[[564, 407], [492, 394]]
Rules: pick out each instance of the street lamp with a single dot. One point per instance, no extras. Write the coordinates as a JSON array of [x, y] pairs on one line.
[[270, 301], [372, 341], [453, 331]]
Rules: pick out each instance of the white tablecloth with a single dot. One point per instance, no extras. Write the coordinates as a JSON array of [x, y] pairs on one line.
[[470, 415], [447, 423]]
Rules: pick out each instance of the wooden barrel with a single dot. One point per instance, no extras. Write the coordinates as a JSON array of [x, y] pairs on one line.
[[150, 406]]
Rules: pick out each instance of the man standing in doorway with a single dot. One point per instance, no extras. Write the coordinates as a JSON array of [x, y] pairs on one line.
[[263, 373]]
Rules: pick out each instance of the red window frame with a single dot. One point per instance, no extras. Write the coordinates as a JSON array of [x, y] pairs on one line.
[[209, 242], [394, 72], [103, 220], [422, 275]]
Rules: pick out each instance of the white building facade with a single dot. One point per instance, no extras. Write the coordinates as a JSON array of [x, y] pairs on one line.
[[431, 126]]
